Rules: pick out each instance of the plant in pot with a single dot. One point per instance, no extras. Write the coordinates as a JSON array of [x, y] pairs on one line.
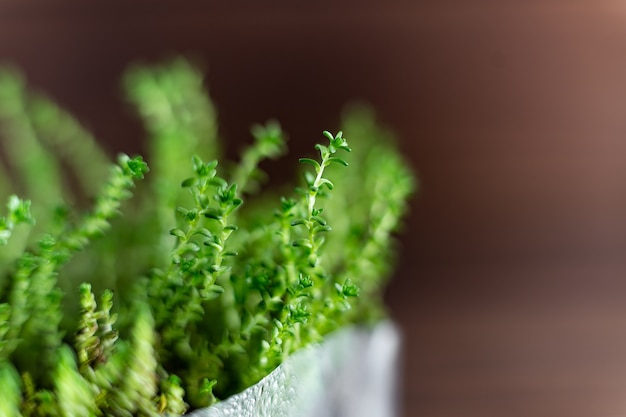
[[201, 285]]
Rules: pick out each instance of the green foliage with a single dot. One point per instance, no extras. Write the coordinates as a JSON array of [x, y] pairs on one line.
[[192, 295], [73, 393], [19, 212], [10, 394]]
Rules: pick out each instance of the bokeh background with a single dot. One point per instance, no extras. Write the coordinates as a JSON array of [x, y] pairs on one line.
[[511, 286]]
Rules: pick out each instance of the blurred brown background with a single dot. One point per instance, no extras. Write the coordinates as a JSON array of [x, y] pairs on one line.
[[511, 290]]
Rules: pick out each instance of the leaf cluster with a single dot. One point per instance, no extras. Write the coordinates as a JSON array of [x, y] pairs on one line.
[[205, 284]]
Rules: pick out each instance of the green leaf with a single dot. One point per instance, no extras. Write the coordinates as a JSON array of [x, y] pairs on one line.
[[19, 210], [334, 159], [348, 289], [323, 150], [203, 201], [191, 215], [218, 182], [75, 395], [327, 183], [304, 281], [235, 203], [188, 182], [203, 231], [10, 394], [320, 220], [214, 213], [302, 243], [198, 164], [287, 204], [216, 289], [309, 178], [214, 245], [310, 162], [136, 166], [178, 233]]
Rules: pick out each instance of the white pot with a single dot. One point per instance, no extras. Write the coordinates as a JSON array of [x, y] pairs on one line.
[[352, 374]]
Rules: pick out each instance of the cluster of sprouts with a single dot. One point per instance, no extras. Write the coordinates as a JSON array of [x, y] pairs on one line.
[[200, 284]]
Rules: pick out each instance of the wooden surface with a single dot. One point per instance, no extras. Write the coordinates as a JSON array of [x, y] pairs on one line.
[[511, 288]]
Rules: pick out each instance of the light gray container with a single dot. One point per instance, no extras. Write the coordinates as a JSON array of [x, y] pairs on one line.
[[354, 373]]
